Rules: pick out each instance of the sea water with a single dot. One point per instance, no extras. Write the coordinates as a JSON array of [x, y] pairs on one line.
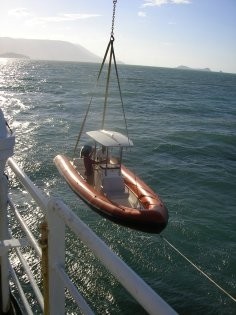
[[183, 125]]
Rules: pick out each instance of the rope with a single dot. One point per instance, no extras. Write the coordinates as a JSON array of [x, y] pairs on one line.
[[82, 126], [8, 127], [196, 267], [121, 99], [112, 57], [110, 48], [107, 84], [90, 102]]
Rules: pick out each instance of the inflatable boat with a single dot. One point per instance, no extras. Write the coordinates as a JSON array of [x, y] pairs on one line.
[[98, 177]]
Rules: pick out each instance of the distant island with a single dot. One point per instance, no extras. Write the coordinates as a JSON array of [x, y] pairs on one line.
[[37, 49], [14, 55], [188, 68]]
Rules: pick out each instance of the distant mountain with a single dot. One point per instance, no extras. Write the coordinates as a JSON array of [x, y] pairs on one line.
[[46, 50], [188, 68], [13, 55]]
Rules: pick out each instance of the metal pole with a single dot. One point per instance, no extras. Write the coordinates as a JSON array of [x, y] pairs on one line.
[[56, 257], [143, 293], [4, 263], [44, 263], [7, 141]]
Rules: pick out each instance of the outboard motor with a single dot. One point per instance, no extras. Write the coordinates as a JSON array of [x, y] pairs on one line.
[[86, 150]]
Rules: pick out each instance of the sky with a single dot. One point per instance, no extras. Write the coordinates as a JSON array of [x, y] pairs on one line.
[[162, 33]]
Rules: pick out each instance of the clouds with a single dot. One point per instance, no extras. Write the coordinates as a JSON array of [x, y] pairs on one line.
[[44, 22], [142, 14], [66, 17], [31, 19], [154, 3], [159, 3], [19, 12]]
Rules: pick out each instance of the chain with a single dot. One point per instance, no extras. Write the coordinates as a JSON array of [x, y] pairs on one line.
[[113, 18]]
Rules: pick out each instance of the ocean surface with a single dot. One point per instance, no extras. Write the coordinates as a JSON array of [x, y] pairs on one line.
[[183, 125]]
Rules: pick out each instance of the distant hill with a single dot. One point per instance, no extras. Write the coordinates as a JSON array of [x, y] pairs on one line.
[[13, 55], [46, 50], [188, 68]]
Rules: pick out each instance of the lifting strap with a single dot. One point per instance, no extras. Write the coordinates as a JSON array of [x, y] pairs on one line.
[[110, 51]]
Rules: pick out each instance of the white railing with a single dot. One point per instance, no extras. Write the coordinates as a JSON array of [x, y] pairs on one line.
[[57, 217]]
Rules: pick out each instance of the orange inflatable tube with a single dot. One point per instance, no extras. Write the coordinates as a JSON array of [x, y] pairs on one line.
[[153, 217]]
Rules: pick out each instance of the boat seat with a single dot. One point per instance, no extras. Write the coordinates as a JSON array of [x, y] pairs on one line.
[[113, 185]]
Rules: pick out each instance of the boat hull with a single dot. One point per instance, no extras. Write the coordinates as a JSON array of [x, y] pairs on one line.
[[153, 216]]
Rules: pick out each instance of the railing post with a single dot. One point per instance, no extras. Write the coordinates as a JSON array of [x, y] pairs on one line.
[[56, 258], [7, 142], [4, 263], [44, 264]]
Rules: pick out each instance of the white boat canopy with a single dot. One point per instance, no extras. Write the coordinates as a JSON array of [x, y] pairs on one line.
[[110, 138]]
